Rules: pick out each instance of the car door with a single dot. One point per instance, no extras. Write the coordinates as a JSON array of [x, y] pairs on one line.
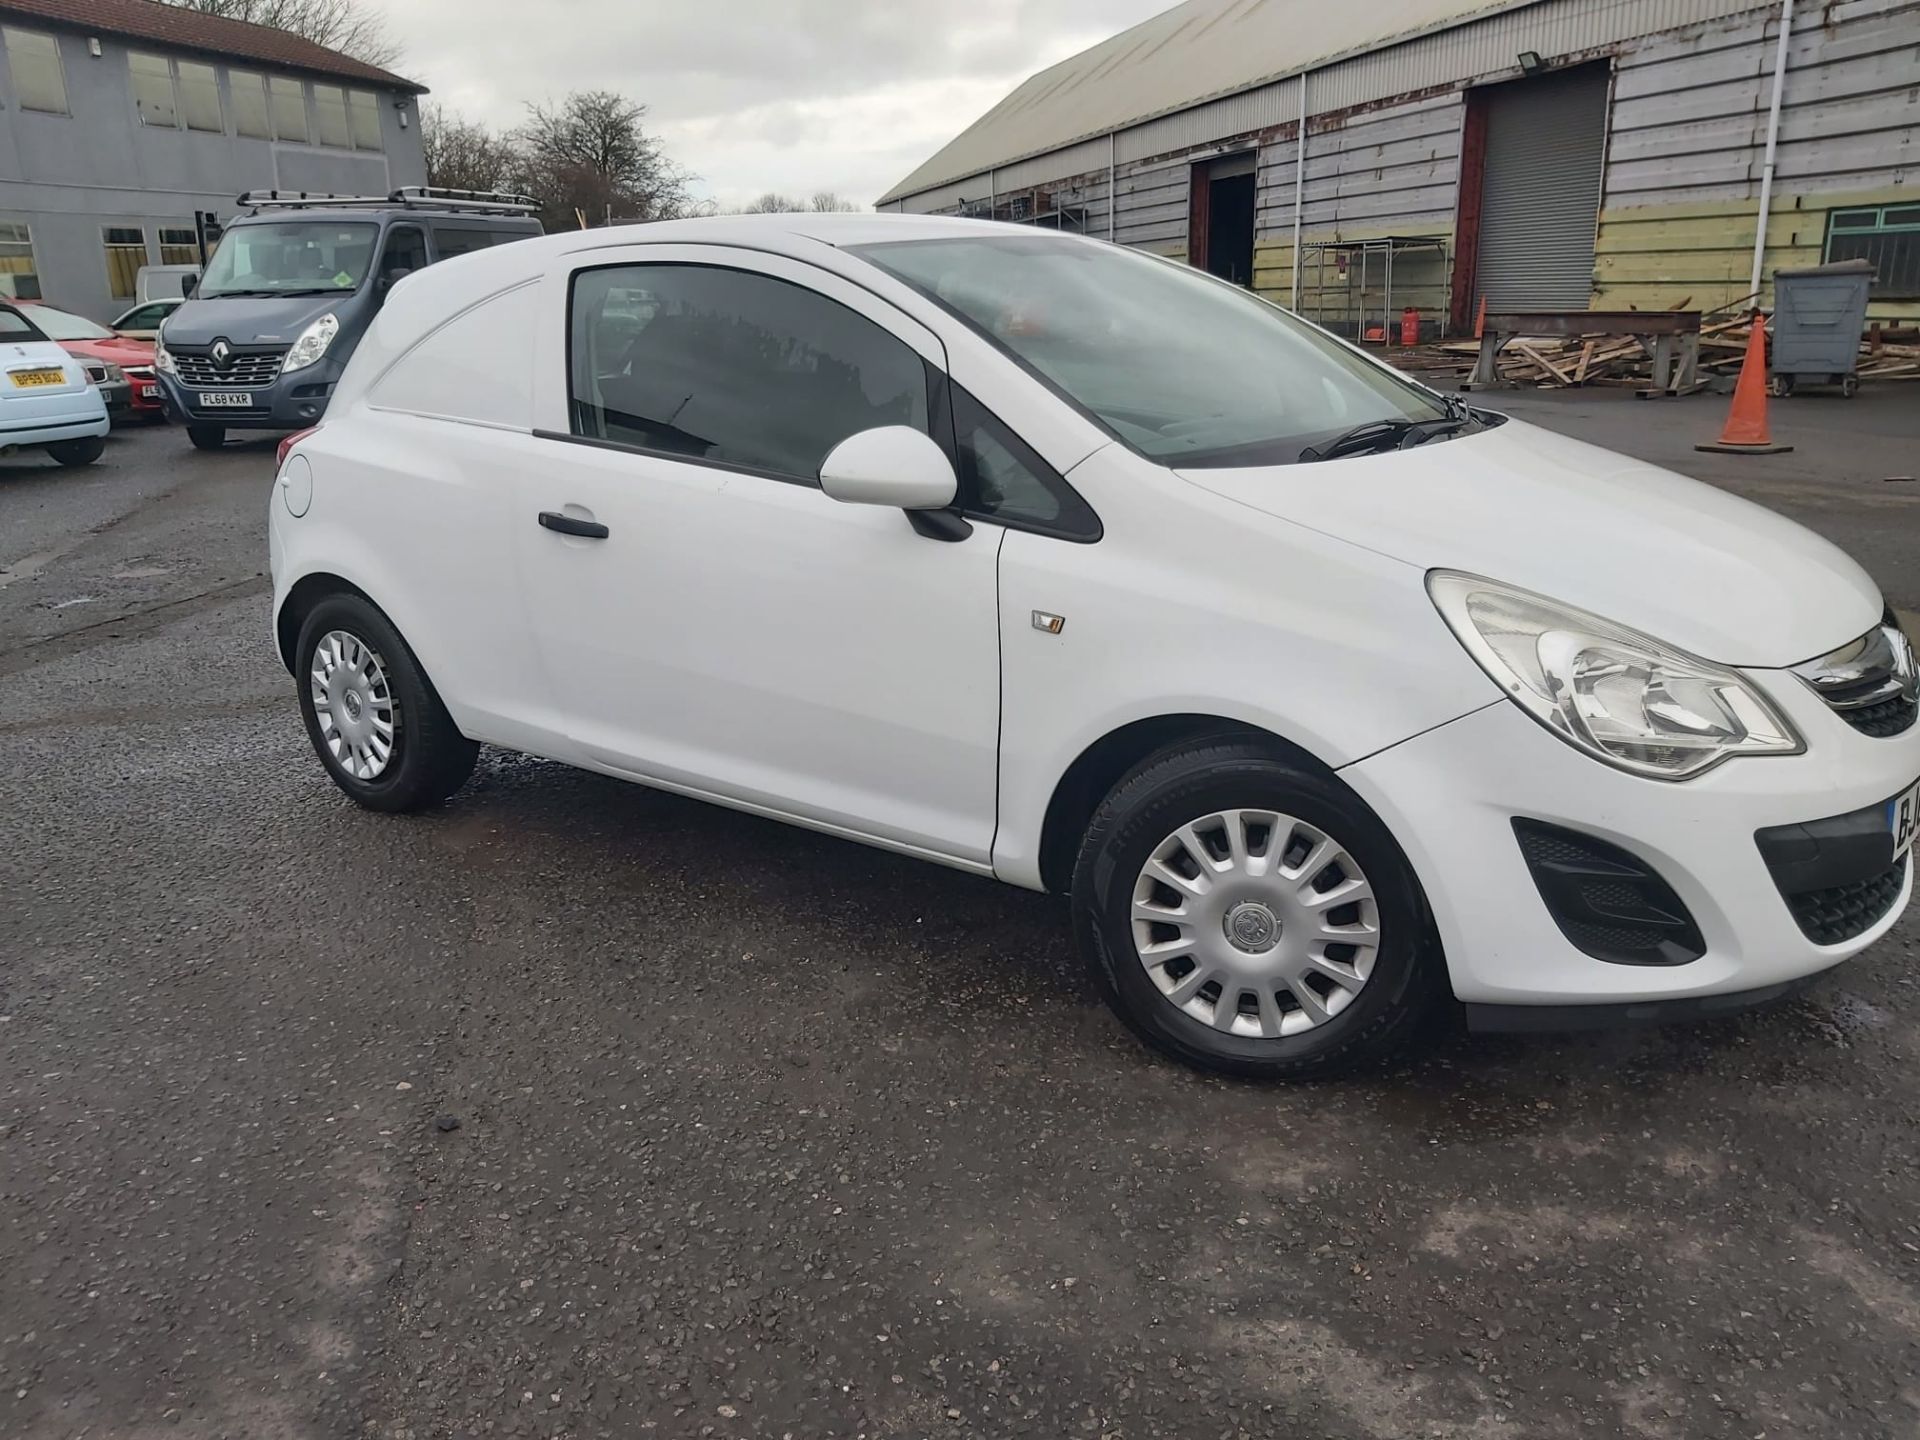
[[714, 621]]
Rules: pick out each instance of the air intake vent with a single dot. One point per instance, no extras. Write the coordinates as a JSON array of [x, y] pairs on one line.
[[1835, 916], [1610, 904]]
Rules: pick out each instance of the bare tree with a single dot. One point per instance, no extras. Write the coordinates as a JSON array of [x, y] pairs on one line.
[[590, 156], [464, 155], [773, 203], [823, 202], [353, 27]]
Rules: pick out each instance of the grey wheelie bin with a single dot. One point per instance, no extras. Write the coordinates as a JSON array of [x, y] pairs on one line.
[[1818, 316]]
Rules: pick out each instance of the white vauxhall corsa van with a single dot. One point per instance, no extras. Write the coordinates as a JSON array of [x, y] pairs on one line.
[[1321, 695]]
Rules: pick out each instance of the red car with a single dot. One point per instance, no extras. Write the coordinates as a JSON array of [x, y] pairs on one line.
[[115, 354]]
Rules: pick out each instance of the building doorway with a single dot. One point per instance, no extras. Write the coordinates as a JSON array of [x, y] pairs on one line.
[[1221, 223], [1533, 152]]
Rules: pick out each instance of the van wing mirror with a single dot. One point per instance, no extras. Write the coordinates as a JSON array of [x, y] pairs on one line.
[[188, 284], [893, 465]]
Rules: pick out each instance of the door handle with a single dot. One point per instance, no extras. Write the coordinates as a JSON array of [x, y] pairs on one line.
[[568, 525]]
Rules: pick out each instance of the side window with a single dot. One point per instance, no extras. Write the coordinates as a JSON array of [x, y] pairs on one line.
[[406, 252], [147, 317], [451, 242], [732, 367], [1001, 478]]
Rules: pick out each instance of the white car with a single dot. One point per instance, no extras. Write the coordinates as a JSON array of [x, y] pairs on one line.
[[46, 399], [1322, 696], [142, 322]]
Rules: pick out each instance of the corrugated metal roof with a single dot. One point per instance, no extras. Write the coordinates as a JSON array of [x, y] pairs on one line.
[[1193, 52]]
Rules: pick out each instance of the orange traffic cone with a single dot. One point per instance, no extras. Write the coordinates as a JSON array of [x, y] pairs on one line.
[[1746, 432], [1480, 320]]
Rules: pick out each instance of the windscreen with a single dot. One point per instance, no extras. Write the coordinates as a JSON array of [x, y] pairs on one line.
[[290, 257], [1185, 369], [59, 325]]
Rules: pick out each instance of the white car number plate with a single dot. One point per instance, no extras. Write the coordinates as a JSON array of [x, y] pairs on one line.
[[1903, 819], [226, 399]]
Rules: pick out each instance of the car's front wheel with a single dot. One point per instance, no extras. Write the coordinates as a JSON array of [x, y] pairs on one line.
[[78, 452], [207, 437], [1248, 914], [373, 717]]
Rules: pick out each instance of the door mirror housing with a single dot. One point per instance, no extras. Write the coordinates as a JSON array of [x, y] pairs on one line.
[[188, 284], [891, 465]]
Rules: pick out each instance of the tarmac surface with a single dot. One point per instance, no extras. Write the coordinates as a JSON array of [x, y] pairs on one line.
[[575, 1109]]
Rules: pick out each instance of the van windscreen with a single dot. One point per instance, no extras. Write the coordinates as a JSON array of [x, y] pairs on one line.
[[290, 257]]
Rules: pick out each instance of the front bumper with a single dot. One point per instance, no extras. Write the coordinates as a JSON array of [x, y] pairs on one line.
[[292, 402], [1451, 797]]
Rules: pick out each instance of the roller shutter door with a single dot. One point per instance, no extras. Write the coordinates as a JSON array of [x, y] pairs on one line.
[[1540, 200]]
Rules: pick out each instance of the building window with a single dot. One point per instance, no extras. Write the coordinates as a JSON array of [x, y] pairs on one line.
[[153, 90], [249, 92], [363, 109], [19, 277], [200, 97], [126, 253], [289, 99], [1887, 235], [33, 60], [330, 116], [179, 245]]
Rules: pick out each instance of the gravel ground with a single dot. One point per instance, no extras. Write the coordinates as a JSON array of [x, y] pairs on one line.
[[575, 1109]]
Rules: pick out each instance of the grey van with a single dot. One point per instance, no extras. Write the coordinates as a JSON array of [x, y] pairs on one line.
[[294, 284]]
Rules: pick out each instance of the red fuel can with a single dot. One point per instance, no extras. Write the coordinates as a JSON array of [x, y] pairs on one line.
[[1410, 327]]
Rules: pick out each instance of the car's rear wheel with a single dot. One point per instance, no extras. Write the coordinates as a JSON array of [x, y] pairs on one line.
[[1248, 914], [78, 452], [207, 437], [373, 717]]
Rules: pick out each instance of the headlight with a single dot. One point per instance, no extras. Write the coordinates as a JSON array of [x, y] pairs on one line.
[[115, 375], [162, 357], [1621, 696], [313, 343]]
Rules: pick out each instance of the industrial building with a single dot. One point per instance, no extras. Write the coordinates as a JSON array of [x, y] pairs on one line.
[[120, 120], [1538, 154]]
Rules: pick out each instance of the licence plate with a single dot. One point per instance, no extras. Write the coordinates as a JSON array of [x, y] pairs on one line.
[[30, 378], [142, 390], [225, 399], [1903, 819]]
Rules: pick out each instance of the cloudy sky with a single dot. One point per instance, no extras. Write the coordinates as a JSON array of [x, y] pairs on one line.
[[793, 95]]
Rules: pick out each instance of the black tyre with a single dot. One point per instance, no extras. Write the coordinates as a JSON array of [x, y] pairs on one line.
[[78, 452], [207, 437], [371, 713], [1781, 385], [1246, 914]]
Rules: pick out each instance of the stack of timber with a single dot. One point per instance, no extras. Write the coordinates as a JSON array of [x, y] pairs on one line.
[[1556, 362]]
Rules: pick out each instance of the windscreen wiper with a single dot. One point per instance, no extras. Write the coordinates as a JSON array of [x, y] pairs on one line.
[[1365, 439], [1378, 435]]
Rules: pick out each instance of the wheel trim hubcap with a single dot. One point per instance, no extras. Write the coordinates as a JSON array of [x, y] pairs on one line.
[[1255, 923], [353, 703]]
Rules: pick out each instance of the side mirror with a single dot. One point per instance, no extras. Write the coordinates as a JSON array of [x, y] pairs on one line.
[[892, 465], [188, 284]]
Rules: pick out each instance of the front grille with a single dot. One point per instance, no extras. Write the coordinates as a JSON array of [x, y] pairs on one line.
[[1835, 916], [1609, 903], [1893, 716], [1869, 682], [245, 369]]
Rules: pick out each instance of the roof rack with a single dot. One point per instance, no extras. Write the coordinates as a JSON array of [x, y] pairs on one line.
[[407, 197]]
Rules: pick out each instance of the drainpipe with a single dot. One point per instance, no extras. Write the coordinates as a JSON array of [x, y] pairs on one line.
[[1300, 185], [1113, 201], [1773, 143]]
